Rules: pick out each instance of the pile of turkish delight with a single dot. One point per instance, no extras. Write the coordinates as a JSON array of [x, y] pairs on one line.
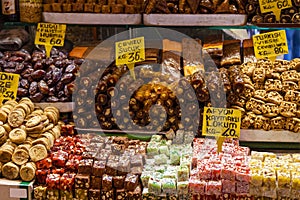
[[224, 175], [167, 169], [91, 167], [275, 176]]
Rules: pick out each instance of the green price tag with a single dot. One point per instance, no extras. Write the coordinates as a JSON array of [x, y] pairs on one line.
[[270, 45], [274, 6], [8, 86], [49, 34], [221, 122]]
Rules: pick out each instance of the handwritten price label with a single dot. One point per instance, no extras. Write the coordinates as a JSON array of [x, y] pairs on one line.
[[8, 86], [271, 44], [221, 122], [130, 51], [274, 6], [49, 34]]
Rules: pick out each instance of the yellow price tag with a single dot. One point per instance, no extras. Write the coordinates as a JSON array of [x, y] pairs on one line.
[[271, 44], [8, 86], [274, 6], [130, 51], [49, 34], [221, 122]]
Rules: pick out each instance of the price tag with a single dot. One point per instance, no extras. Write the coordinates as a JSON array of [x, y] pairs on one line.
[[274, 6], [129, 52], [221, 122], [8, 86], [271, 44], [50, 35]]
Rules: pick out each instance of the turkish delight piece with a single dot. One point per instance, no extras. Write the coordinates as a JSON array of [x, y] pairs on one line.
[[197, 186], [156, 138], [146, 195], [174, 157], [284, 192], [72, 164], [295, 180], [107, 195], [228, 186], [136, 194], [82, 181], [107, 182], [214, 188], [228, 172], [256, 177], [123, 167], [98, 168], [168, 185], [161, 159], [242, 187], [94, 194], [136, 170], [283, 179], [205, 173], [41, 175], [118, 182], [67, 181], [131, 182], [96, 182], [145, 178], [66, 194], [85, 166], [40, 192], [53, 194], [137, 160], [81, 194], [152, 149], [44, 164], [243, 174], [269, 178], [295, 193], [121, 194], [216, 171], [52, 181], [164, 149], [154, 186], [182, 187], [269, 192], [183, 173]]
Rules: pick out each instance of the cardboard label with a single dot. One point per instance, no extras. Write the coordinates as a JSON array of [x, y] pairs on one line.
[[221, 122], [130, 51], [49, 34], [17, 193], [274, 6], [8, 86], [270, 44]]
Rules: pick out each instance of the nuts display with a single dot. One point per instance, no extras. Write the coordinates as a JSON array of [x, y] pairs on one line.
[[276, 97]]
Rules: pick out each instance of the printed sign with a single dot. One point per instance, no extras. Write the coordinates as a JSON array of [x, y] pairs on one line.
[[270, 44], [221, 122], [130, 51], [50, 35], [8, 86], [274, 6]]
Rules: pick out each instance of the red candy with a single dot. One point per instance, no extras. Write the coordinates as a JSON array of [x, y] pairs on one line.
[[52, 181], [44, 164], [67, 181]]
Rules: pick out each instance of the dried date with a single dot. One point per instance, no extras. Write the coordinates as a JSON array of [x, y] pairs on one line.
[[27, 72], [38, 74], [52, 99], [24, 83], [37, 97], [71, 69], [22, 92], [19, 67], [43, 87], [33, 88], [67, 78], [38, 65]]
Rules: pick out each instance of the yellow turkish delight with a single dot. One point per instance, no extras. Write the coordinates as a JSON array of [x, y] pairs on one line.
[[284, 178]]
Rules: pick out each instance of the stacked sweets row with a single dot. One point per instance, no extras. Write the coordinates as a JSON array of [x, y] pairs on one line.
[[274, 176], [27, 134], [271, 96], [224, 175], [93, 6], [92, 167], [167, 169], [41, 78], [288, 15]]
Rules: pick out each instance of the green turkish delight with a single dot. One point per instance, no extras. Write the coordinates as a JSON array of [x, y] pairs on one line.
[[174, 157], [164, 149], [145, 178], [154, 186], [168, 185], [183, 173], [182, 187], [152, 149], [160, 159], [156, 138]]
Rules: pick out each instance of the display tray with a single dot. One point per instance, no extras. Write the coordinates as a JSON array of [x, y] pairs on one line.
[[92, 18], [194, 19], [62, 106], [281, 136], [278, 25], [140, 135]]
